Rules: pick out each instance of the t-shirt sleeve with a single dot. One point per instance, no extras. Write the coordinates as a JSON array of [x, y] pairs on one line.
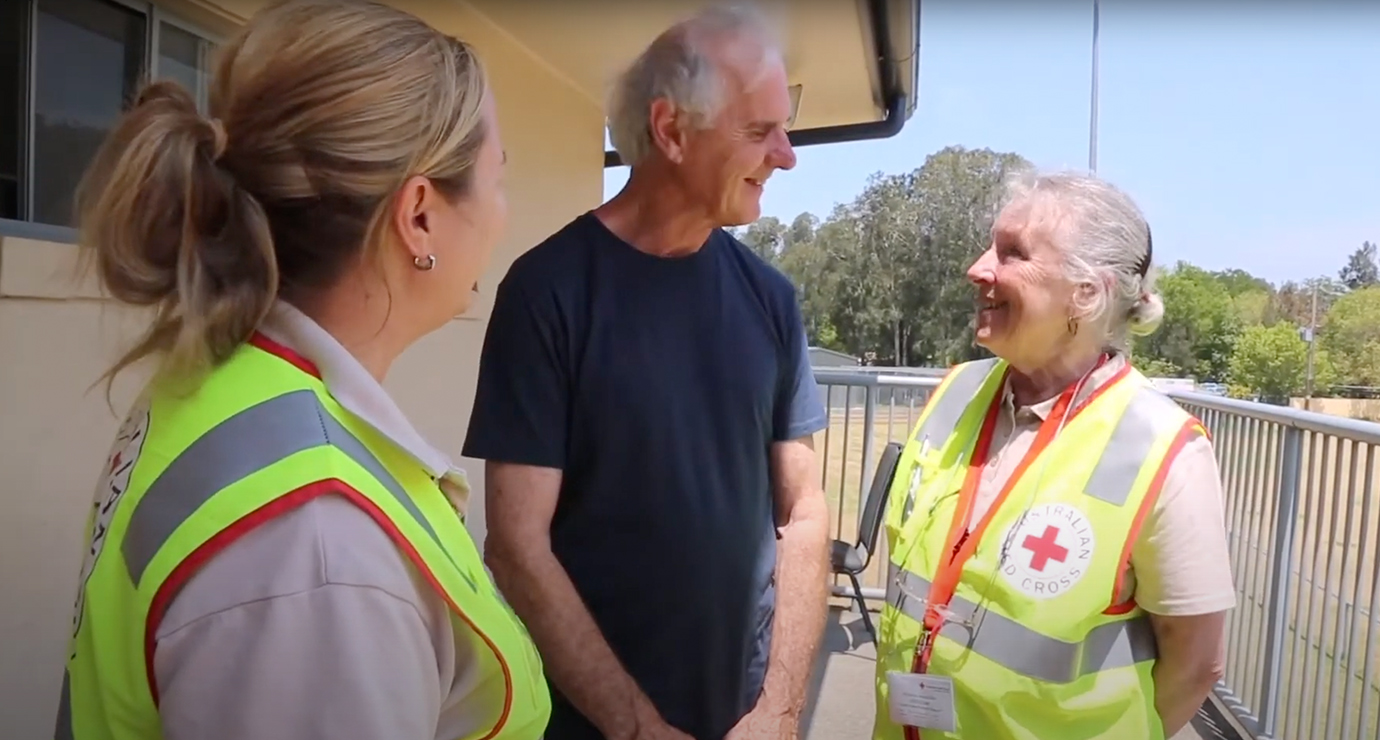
[[521, 401], [1180, 560], [799, 410], [336, 662]]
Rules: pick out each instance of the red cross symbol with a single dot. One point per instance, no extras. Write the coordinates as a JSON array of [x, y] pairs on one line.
[[1045, 548]]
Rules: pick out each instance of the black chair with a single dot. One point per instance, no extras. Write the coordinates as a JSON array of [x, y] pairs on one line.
[[852, 559]]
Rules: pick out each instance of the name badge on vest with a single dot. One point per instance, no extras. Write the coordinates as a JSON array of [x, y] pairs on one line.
[[922, 700]]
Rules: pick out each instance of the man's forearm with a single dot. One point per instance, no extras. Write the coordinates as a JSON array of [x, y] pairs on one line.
[[575, 654], [802, 592]]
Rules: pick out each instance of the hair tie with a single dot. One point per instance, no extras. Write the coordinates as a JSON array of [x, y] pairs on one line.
[[1143, 267], [219, 140]]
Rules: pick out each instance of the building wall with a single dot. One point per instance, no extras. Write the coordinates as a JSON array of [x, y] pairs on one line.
[[821, 357], [57, 336]]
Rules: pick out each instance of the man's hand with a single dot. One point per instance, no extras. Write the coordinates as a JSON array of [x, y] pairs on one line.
[[520, 501], [660, 731], [766, 722], [649, 725]]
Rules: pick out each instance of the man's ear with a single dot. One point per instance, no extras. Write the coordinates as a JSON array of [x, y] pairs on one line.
[[665, 129]]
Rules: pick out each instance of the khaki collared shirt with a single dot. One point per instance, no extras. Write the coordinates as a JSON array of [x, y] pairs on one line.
[[314, 625], [1179, 563]]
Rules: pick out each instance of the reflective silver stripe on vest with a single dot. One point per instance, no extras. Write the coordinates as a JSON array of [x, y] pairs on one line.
[[1129, 446], [949, 407], [947, 411], [243, 444], [1022, 650]]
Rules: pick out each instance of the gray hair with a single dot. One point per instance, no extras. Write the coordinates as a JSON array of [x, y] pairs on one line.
[[682, 66], [1105, 241]]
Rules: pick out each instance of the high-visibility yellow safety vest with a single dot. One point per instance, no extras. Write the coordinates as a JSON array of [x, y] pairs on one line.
[[260, 436], [1040, 644]]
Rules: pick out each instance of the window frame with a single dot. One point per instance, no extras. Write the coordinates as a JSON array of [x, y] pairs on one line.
[[155, 15]]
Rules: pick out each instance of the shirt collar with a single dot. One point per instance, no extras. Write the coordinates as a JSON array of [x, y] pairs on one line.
[[1105, 372], [358, 392]]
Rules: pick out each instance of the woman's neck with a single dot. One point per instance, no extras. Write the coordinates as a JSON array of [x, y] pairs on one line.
[[1029, 387], [360, 326]]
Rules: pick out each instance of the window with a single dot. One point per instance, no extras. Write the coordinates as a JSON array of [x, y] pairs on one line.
[[185, 57], [12, 89], [68, 68]]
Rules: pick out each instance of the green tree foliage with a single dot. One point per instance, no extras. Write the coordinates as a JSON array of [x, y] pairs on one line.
[[802, 230], [765, 237], [1200, 325], [1238, 282], [1362, 268], [1154, 367], [1251, 307], [1272, 361], [812, 264], [1351, 336]]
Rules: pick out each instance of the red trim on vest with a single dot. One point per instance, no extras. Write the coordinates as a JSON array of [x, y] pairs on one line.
[[184, 571], [261, 340], [218, 542], [1181, 440]]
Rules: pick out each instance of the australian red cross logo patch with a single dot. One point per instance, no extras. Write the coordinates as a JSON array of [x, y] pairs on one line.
[[1050, 551], [119, 466]]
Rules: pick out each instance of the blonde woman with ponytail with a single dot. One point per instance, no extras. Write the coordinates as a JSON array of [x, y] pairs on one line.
[[274, 551]]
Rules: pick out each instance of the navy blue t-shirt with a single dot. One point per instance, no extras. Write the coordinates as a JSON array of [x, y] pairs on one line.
[[657, 386]]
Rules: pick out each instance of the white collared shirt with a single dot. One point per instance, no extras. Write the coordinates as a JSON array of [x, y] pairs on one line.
[[314, 625], [354, 388]]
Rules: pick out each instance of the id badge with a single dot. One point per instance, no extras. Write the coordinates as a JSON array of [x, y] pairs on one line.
[[921, 700]]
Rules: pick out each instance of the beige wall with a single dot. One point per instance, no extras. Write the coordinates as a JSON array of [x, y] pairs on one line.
[[56, 336]]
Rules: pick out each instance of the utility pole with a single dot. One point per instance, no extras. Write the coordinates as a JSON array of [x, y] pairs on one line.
[[1092, 115], [1312, 332]]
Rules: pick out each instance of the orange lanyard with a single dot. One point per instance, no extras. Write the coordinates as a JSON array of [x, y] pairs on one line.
[[962, 541]]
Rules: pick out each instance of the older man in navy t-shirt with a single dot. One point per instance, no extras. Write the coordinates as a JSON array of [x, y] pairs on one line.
[[646, 409]]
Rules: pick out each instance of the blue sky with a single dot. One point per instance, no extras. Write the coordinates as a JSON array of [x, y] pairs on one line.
[[1249, 132]]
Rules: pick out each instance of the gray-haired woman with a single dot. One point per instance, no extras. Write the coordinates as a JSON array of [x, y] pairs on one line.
[[1058, 556]]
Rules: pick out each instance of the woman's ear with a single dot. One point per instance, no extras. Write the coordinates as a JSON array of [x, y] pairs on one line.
[[1083, 301], [411, 216]]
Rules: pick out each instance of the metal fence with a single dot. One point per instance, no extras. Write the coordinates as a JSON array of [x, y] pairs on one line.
[[867, 408], [1303, 644], [1303, 528]]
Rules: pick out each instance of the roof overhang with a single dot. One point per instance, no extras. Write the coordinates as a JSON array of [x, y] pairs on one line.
[[854, 64]]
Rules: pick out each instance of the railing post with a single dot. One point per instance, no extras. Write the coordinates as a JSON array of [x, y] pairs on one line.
[[869, 427], [1286, 510]]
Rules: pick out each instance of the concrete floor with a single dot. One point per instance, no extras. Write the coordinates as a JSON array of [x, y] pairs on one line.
[[842, 702]]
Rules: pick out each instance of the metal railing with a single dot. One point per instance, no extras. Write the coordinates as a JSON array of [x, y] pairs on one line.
[[867, 409], [1303, 528], [1303, 643]]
